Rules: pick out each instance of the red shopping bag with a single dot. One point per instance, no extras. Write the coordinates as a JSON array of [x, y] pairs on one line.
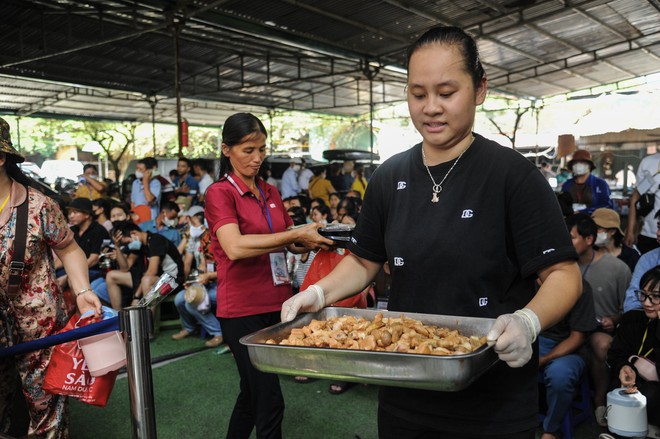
[[68, 374]]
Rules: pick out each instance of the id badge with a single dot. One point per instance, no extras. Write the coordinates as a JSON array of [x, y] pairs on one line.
[[578, 207], [278, 269]]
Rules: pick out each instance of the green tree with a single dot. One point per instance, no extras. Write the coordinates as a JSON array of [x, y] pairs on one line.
[[115, 139], [202, 142], [508, 120], [40, 138]]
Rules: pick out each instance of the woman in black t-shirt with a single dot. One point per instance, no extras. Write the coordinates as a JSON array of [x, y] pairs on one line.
[[467, 227]]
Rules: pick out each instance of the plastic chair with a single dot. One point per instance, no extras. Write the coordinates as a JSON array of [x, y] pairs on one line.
[[581, 410]]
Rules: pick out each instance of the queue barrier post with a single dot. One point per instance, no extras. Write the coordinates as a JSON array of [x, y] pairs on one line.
[[136, 323]]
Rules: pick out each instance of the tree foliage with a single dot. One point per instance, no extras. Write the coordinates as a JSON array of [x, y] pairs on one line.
[[115, 139], [507, 121]]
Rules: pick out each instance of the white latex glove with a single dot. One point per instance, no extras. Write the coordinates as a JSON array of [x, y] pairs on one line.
[[513, 335], [310, 300]]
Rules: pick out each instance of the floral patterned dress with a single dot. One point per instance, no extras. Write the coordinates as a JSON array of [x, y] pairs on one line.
[[38, 311]]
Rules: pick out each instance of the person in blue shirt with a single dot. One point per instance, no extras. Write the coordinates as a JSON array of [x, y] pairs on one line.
[[587, 191], [146, 188], [648, 260], [165, 223], [184, 183], [290, 186]]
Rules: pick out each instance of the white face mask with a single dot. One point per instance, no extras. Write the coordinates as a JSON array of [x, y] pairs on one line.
[[196, 231], [135, 244], [580, 168], [602, 239], [169, 222], [296, 168], [139, 175]]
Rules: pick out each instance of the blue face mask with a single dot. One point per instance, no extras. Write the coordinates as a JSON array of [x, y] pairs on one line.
[[135, 245]]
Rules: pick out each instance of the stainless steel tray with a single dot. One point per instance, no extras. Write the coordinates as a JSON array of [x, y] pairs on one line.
[[431, 372]]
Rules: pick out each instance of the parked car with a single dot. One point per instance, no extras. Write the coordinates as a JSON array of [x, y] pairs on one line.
[[67, 169], [31, 169]]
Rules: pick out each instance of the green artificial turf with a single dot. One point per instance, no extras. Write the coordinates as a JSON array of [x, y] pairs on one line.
[[194, 397]]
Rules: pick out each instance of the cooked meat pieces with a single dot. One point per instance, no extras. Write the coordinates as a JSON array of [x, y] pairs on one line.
[[387, 334]]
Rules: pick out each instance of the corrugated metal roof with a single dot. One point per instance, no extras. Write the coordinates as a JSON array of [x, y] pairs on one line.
[[111, 58]]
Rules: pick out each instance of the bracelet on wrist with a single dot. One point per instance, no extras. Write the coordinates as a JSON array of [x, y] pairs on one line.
[[83, 291], [137, 297]]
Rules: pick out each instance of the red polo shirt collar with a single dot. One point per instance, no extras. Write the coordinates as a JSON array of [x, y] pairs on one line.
[[242, 188]]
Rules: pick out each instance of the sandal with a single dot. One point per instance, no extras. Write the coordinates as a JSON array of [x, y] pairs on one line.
[[339, 387]]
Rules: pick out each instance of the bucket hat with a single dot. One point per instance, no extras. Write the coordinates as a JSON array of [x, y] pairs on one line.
[[5, 142], [607, 219], [581, 155]]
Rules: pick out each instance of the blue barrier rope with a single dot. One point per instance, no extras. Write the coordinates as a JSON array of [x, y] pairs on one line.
[[107, 325]]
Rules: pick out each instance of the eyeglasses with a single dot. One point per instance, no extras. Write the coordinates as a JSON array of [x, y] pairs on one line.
[[642, 296]]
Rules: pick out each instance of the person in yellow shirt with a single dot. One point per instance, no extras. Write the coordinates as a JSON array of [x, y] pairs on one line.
[[90, 186], [360, 183], [320, 186]]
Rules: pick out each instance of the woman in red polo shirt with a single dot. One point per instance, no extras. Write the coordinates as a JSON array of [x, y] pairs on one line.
[[250, 233]]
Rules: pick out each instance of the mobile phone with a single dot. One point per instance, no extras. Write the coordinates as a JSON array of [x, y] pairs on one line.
[[106, 243]]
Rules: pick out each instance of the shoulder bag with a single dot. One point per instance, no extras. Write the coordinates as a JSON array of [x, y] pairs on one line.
[[8, 334]]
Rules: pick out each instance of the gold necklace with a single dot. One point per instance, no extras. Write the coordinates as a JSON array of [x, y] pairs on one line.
[[437, 187]]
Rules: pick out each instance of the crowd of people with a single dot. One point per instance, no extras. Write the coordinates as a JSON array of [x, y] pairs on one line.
[[461, 225]]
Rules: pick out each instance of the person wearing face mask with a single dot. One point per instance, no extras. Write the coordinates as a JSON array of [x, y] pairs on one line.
[[162, 257], [193, 309], [609, 278], [146, 189], [610, 237], [90, 186], [191, 232], [587, 192], [165, 223], [119, 212], [290, 185], [101, 209]]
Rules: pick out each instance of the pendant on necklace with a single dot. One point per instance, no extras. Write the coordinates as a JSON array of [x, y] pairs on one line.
[[436, 191]]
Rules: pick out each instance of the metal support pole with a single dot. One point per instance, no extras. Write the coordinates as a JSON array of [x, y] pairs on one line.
[[177, 84], [371, 124], [152, 103], [136, 323], [536, 155]]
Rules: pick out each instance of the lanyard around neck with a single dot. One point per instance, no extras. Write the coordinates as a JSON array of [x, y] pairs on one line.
[[593, 255], [639, 352], [264, 209]]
